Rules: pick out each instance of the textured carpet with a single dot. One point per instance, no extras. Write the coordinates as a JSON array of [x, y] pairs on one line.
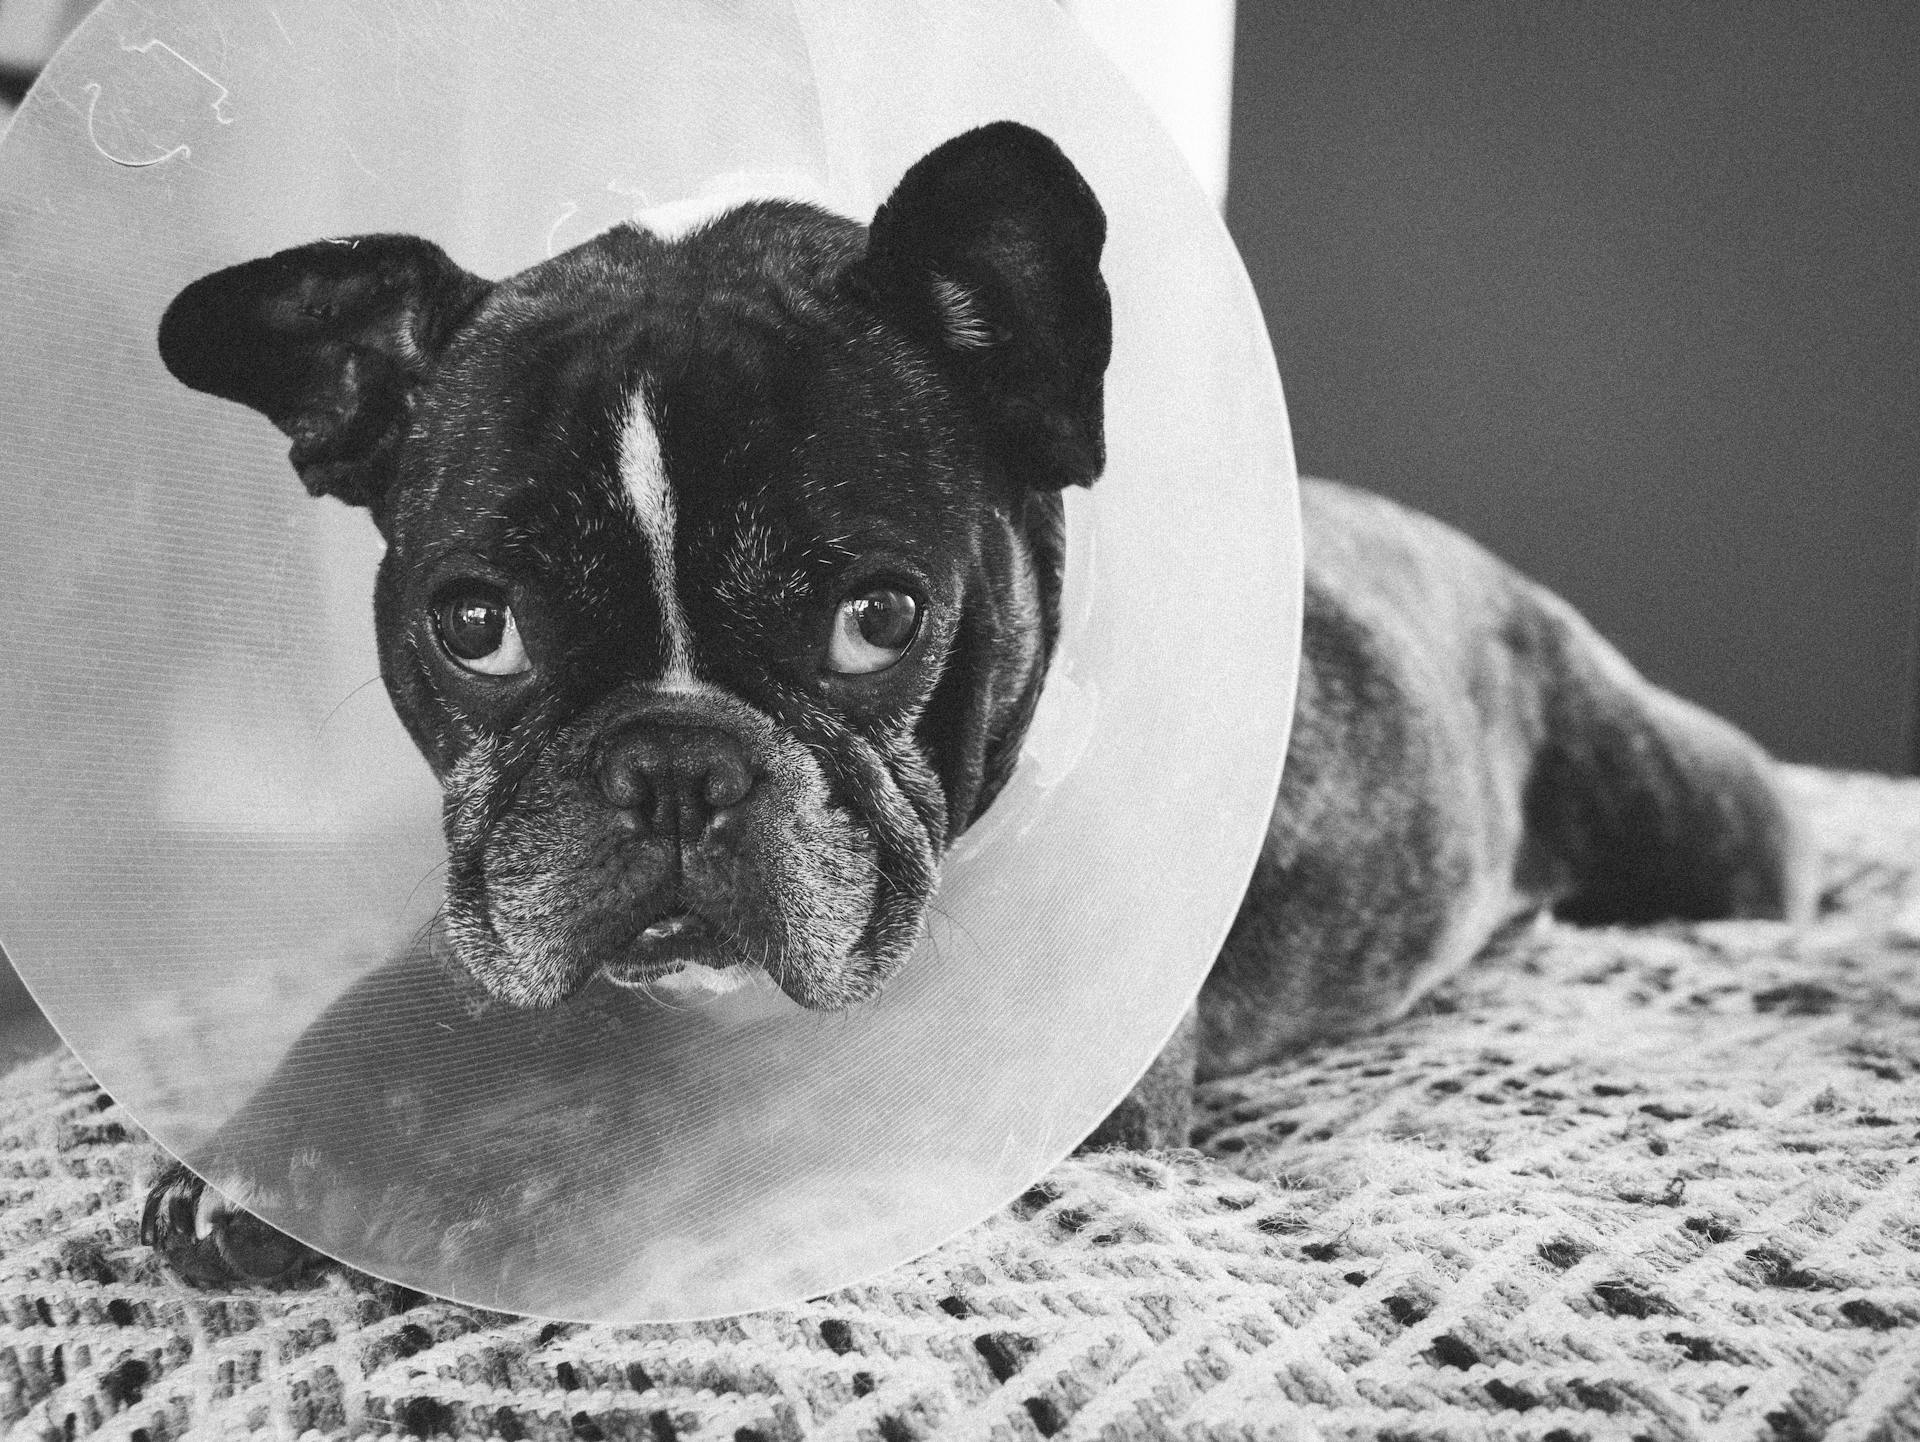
[[1661, 1183]]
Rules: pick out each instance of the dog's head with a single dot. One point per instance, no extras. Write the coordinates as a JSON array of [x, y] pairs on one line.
[[721, 571]]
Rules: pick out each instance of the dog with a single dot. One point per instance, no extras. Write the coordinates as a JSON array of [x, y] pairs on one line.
[[722, 575]]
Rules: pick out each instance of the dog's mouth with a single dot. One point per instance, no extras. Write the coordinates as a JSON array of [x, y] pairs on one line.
[[679, 951]]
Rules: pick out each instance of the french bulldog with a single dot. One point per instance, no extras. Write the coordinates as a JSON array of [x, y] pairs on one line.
[[722, 574]]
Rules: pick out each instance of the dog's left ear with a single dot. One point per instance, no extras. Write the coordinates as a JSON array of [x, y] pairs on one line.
[[988, 251]]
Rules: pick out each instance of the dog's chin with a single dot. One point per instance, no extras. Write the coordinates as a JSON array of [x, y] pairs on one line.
[[696, 967], [689, 981]]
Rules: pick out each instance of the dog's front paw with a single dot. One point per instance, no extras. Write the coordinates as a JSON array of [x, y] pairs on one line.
[[210, 1242]]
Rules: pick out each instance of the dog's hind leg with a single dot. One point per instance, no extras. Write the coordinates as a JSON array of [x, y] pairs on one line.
[[1641, 806]]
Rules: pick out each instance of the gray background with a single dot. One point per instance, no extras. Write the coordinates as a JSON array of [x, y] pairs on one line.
[[1631, 293]]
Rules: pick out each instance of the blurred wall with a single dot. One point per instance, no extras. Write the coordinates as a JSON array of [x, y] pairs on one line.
[[1631, 292]]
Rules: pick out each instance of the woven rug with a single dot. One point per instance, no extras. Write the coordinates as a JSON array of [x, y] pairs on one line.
[[1661, 1183]]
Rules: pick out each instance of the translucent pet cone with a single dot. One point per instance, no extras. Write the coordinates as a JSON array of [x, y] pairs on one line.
[[220, 855]]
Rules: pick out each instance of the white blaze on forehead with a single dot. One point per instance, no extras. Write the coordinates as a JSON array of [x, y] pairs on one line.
[[643, 473]]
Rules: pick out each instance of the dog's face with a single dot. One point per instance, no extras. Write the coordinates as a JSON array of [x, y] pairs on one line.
[[721, 572]]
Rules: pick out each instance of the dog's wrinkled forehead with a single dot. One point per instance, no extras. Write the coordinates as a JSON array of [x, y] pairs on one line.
[[711, 397]]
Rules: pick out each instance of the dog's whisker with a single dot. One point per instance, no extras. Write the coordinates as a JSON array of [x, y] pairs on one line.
[[320, 730], [436, 869]]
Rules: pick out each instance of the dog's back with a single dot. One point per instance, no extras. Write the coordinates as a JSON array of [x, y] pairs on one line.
[[1466, 750]]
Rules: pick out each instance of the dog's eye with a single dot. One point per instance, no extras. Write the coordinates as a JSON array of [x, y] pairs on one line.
[[478, 630], [872, 631]]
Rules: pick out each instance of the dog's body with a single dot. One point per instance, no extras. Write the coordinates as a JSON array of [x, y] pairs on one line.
[[1466, 751], [721, 582]]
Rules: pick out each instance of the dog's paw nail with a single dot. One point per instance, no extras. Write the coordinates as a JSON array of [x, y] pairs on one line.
[[211, 1206]]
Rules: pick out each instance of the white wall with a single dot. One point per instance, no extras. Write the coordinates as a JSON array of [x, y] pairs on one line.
[[1179, 55]]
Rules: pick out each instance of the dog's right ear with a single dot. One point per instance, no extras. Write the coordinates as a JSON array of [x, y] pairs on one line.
[[329, 341], [989, 251]]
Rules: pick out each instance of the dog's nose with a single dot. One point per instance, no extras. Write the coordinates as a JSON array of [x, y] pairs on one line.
[[677, 781]]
